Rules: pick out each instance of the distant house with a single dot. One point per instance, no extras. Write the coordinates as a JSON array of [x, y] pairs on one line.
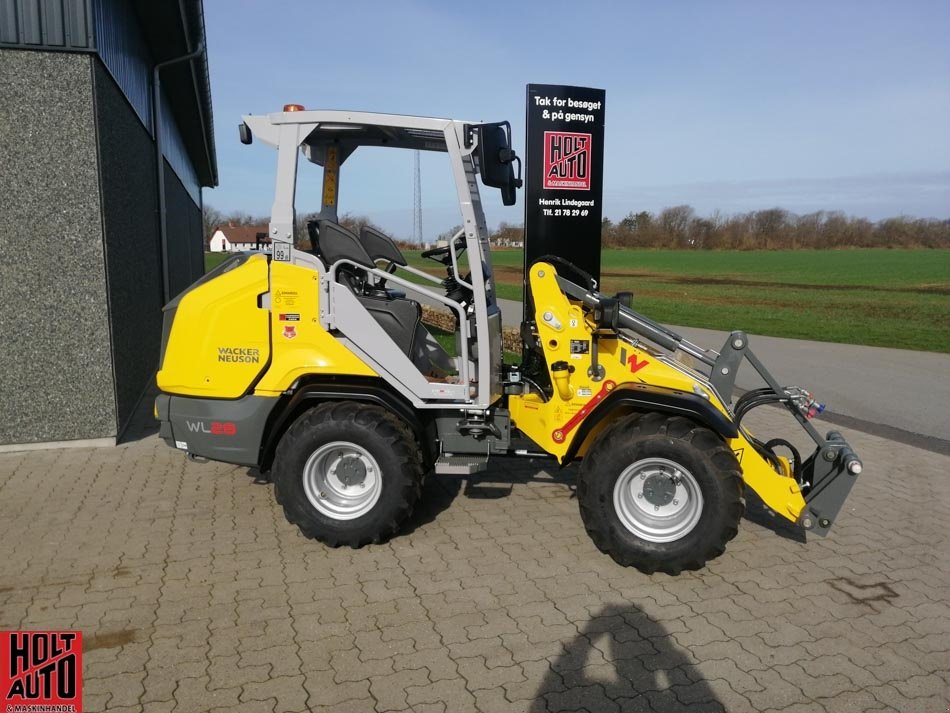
[[507, 243], [237, 238]]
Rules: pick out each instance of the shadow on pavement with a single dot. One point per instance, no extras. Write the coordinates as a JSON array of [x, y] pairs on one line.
[[439, 491], [142, 424], [623, 660]]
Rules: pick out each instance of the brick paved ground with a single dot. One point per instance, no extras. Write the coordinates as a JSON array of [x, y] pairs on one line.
[[194, 594]]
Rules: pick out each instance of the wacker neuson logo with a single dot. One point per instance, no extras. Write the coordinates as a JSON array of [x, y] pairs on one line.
[[567, 158], [242, 355], [41, 671]]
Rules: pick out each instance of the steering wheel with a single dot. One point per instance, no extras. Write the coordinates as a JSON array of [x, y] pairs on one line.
[[441, 255], [444, 254]]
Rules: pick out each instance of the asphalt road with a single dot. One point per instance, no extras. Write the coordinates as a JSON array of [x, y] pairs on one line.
[[905, 393]]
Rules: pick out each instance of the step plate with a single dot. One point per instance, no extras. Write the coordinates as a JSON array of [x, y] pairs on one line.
[[461, 465]]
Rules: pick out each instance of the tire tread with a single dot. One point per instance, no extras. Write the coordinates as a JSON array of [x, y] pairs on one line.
[[389, 432], [645, 426]]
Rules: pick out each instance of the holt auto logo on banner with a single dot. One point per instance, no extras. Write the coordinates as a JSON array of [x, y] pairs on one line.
[[564, 162]]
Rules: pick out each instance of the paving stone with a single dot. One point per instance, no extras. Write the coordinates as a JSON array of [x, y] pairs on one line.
[[422, 634], [288, 691], [349, 667], [193, 694], [477, 675], [591, 697], [775, 691], [492, 700], [455, 691], [194, 594], [540, 679], [323, 690], [727, 696]]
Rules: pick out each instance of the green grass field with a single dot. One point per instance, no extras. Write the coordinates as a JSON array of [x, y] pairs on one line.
[[887, 298], [212, 260]]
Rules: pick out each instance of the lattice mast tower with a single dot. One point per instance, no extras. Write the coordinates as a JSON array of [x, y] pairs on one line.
[[417, 198]]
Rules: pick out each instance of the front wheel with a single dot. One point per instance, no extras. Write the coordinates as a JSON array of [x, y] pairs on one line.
[[348, 473], [660, 493]]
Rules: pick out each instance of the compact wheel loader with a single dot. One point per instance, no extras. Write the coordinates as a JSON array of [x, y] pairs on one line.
[[314, 365]]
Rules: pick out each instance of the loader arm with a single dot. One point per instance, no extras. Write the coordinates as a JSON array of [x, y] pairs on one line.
[[599, 368]]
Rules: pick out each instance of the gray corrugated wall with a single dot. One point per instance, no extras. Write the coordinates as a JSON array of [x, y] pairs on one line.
[[56, 378], [52, 24]]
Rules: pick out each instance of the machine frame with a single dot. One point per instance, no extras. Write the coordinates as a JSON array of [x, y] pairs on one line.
[[599, 378], [315, 135]]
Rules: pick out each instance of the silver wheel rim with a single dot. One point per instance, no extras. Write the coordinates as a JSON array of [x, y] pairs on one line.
[[658, 500], [342, 480]]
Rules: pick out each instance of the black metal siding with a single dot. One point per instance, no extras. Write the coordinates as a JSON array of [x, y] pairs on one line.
[[124, 51], [47, 24], [173, 146]]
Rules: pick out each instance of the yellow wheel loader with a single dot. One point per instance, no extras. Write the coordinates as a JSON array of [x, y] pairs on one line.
[[314, 365]]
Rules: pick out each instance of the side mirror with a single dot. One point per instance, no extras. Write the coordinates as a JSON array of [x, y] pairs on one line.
[[496, 160], [625, 298], [244, 131], [607, 313]]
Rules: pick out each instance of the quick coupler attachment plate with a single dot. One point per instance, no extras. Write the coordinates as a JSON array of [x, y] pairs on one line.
[[829, 475]]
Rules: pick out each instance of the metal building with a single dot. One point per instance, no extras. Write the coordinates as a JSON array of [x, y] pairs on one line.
[[96, 231]]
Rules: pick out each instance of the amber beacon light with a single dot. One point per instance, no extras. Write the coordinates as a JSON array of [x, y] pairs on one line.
[[293, 107]]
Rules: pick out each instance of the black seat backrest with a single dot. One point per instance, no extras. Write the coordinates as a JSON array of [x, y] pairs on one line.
[[400, 319], [338, 243], [380, 246], [313, 230]]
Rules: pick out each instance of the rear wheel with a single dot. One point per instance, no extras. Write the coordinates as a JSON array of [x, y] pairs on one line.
[[348, 473], [660, 493]]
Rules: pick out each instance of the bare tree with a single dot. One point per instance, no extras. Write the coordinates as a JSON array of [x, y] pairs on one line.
[[675, 222], [211, 218]]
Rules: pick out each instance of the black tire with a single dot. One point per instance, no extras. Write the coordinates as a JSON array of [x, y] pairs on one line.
[[651, 439], [387, 442]]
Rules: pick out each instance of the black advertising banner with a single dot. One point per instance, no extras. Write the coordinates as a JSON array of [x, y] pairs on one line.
[[564, 174]]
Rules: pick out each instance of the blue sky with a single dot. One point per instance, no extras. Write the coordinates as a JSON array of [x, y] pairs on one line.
[[728, 106]]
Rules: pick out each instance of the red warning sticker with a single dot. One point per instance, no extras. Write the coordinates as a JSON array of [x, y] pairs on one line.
[[567, 161], [290, 331]]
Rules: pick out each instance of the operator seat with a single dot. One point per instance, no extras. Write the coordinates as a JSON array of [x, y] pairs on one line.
[[399, 317], [382, 247], [313, 232]]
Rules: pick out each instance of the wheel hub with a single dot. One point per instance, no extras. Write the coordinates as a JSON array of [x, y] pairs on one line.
[[342, 480], [351, 471], [659, 489], [657, 500]]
